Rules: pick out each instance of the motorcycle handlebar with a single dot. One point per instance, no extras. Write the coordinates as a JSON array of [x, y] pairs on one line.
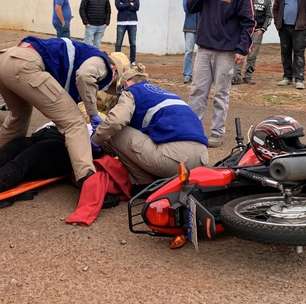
[[265, 181], [239, 137], [238, 127]]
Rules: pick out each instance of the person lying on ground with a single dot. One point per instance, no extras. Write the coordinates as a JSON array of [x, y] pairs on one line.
[[151, 130], [42, 155], [53, 75]]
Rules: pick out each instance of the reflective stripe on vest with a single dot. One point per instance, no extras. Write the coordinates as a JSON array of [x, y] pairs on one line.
[[166, 103], [71, 56]]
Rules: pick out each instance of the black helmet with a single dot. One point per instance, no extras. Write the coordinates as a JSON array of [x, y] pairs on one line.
[[276, 135]]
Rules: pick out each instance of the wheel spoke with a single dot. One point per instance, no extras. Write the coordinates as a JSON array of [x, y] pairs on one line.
[[256, 210], [250, 216]]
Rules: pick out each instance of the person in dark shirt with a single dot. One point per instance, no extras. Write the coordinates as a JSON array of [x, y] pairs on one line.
[[127, 22], [224, 38], [290, 21], [263, 17], [95, 15]]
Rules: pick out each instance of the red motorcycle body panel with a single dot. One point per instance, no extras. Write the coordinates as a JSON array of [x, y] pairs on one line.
[[249, 159], [201, 176]]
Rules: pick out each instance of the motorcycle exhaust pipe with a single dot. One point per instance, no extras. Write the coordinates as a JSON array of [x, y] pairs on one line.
[[292, 168]]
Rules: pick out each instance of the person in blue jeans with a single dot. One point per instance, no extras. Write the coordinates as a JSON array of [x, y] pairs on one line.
[[189, 29], [61, 18], [95, 15], [127, 22]]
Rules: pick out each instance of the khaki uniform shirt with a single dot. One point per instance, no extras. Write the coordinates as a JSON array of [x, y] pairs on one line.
[[89, 73]]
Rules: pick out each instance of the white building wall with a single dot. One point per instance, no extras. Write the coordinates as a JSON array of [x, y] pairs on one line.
[[271, 36], [159, 29]]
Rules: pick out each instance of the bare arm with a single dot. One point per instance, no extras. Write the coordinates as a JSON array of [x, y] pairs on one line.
[[59, 13]]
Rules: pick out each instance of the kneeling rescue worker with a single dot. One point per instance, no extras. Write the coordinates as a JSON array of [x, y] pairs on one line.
[[152, 130], [53, 75]]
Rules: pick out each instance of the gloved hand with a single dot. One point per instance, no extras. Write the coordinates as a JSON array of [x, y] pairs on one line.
[[96, 149], [95, 120]]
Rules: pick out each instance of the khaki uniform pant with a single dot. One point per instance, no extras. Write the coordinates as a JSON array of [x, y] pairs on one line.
[[146, 161], [24, 84]]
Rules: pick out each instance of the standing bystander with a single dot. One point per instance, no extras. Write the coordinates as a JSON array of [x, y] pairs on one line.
[[224, 38], [61, 18], [263, 17], [189, 29], [290, 21], [95, 15], [127, 21]]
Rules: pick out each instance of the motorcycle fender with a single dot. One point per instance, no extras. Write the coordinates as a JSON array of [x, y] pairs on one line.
[[200, 176]]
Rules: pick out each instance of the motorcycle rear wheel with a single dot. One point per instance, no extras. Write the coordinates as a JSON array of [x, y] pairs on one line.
[[250, 218]]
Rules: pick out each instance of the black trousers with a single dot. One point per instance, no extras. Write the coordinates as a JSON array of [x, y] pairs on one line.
[[43, 155], [293, 45]]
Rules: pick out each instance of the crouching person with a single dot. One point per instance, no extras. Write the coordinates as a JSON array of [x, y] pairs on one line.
[[53, 75], [152, 130]]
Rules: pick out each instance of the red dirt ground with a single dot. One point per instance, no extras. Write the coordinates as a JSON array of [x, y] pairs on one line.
[[43, 260]]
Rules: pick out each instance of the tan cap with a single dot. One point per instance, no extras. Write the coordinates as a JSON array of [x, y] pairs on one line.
[[121, 62], [136, 70]]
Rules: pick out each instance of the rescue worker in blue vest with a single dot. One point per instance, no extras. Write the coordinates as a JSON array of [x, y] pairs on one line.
[[53, 75], [151, 130]]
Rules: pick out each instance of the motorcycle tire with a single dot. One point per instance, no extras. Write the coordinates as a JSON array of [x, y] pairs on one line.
[[239, 217]]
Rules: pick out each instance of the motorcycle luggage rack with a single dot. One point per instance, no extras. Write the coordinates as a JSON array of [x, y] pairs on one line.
[[135, 208]]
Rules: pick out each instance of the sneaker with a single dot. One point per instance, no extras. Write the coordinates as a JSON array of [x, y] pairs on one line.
[[284, 82], [248, 81], [236, 80], [187, 79], [133, 63], [300, 85], [215, 141]]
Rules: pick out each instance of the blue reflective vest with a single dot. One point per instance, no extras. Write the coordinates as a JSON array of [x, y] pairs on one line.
[[58, 61], [163, 116]]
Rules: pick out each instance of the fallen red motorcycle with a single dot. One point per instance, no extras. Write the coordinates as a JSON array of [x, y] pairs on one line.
[[256, 193]]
